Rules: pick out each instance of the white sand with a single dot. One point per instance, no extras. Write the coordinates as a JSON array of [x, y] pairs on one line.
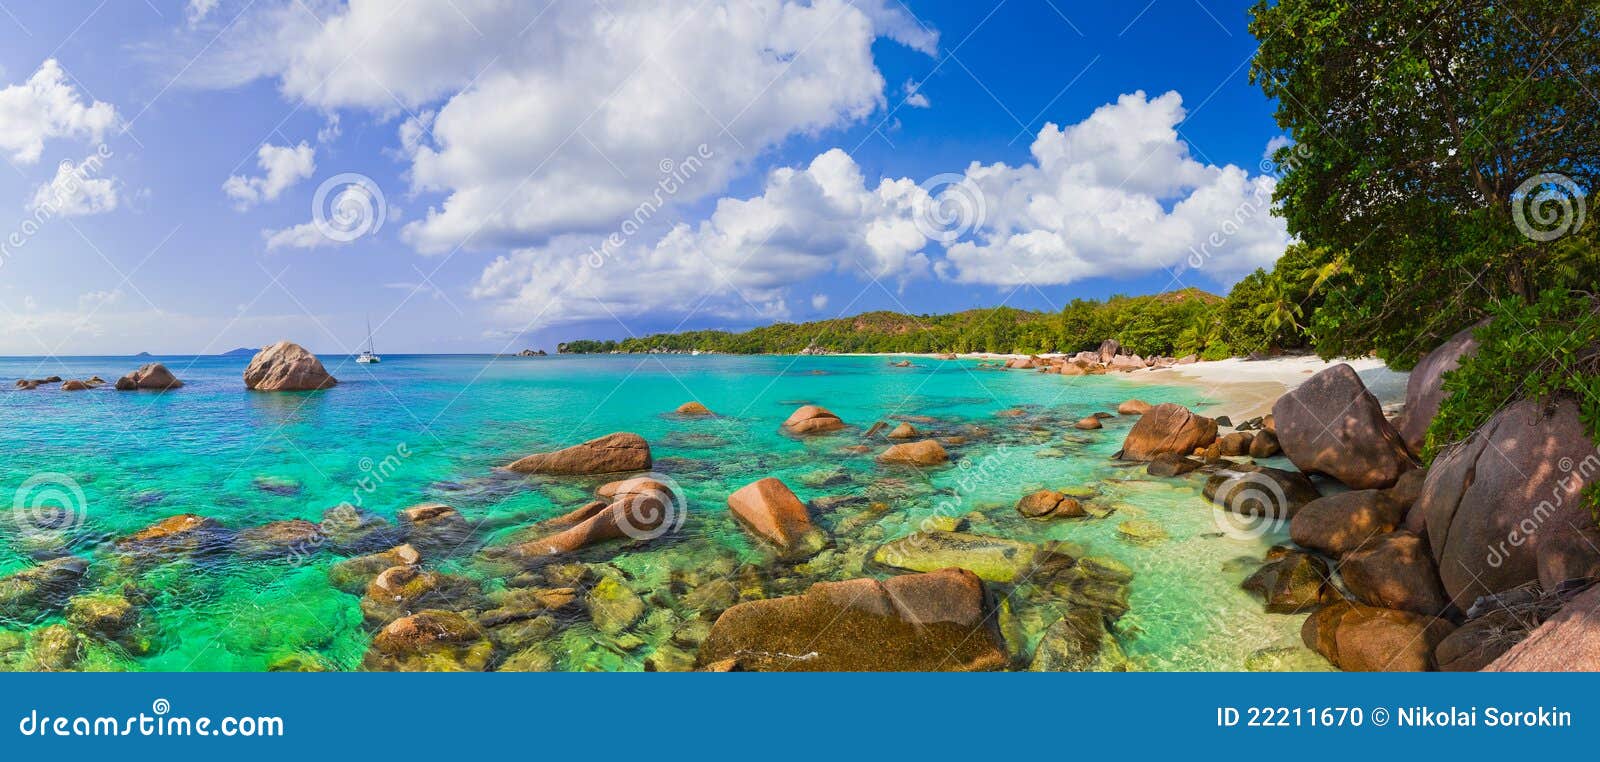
[[1247, 388]]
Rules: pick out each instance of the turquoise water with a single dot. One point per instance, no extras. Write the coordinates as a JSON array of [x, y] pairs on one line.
[[443, 423]]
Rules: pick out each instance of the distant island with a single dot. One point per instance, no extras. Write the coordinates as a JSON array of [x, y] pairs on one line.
[[241, 351], [1182, 322]]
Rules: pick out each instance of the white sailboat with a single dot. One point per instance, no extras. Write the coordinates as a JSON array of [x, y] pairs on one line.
[[367, 355]]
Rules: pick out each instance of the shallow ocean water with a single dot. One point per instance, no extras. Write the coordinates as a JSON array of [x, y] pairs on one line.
[[433, 428]]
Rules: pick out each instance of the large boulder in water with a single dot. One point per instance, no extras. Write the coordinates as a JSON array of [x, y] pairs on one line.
[[1360, 638], [1503, 508], [928, 452], [772, 511], [151, 376], [1168, 428], [286, 367], [938, 621], [812, 419], [1425, 387], [612, 453], [1332, 425]]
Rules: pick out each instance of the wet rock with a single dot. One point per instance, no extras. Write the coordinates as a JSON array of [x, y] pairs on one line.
[[286, 367], [151, 376], [812, 419], [1259, 491], [639, 486], [430, 641], [295, 538], [639, 516], [1050, 504], [75, 386], [614, 606], [1172, 464], [33, 592], [434, 529], [769, 509], [995, 559], [612, 453], [1079, 641], [1168, 428], [183, 535], [827, 477], [876, 427], [1264, 445], [527, 603], [1503, 508], [351, 531], [108, 616], [403, 590], [903, 431], [938, 621], [1286, 660], [1088, 424], [1291, 582], [693, 408], [1332, 425], [1361, 638], [352, 575], [1338, 524], [1395, 571], [56, 648], [927, 452]]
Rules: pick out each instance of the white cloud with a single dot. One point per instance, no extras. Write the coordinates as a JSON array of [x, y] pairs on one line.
[[284, 166], [539, 122], [197, 10], [46, 107], [1114, 195], [76, 190], [914, 96], [306, 235], [819, 302]]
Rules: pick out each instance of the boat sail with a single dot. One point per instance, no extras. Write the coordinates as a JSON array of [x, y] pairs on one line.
[[367, 355]]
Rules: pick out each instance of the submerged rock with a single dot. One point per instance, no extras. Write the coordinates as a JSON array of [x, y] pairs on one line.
[[279, 539], [1079, 641], [434, 529], [772, 511], [995, 559], [612, 453], [1141, 531], [185, 534], [108, 616], [351, 530], [56, 648], [286, 367], [614, 606], [1292, 581], [430, 641], [938, 621], [402, 590], [352, 575], [31, 593]]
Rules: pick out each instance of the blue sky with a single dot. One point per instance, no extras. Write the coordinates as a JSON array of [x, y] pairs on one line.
[[784, 160]]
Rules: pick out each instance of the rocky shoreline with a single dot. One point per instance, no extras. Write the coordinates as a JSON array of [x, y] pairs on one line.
[[1393, 567]]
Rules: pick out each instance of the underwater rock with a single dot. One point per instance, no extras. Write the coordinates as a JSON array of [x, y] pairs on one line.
[[185, 534], [928, 452], [938, 621], [352, 575], [1292, 581], [1079, 641], [278, 539], [434, 529], [812, 419], [1286, 659], [995, 559], [402, 590], [56, 648], [33, 592], [614, 606], [527, 603], [1141, 531], [352, 531], [612, 453], [286, 367], [108, 616], [430, 641], [772, 511]]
